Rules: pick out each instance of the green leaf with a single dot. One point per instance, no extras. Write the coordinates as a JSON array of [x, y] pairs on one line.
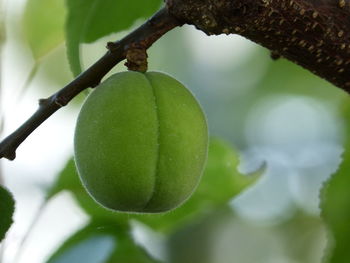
[[89, 20], [335, 205], [43, 25], [7, 208], [67, 180], [222, 181], [101, 242]]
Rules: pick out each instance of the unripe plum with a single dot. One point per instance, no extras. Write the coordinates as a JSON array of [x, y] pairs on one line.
[[140, 142]]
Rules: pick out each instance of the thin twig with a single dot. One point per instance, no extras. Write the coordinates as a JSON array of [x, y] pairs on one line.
[[144, 36]]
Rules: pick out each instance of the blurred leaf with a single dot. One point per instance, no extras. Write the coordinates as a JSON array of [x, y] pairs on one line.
[[101, 242], [196, 242], [302, 237], [219, 184], [54, 69], [335, 197], [28, 81], [43, 25], [224, 237], [7, 208], [54, 73], [67, 180], [283, 76], [89, 20], [221, 180]]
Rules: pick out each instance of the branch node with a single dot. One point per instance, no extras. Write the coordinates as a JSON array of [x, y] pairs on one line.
[[113, 46], [43, 102], [11, 155]]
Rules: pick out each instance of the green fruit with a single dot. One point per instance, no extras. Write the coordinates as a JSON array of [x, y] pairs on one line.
[[141, 143]]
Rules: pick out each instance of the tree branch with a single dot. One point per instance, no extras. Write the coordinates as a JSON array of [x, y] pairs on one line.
[[144, 37], [312, 33]]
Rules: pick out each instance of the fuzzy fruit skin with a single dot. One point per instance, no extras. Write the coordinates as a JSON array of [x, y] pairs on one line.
[[141, 143]]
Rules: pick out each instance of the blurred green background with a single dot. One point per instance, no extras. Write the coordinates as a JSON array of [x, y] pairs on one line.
[[280, 126]]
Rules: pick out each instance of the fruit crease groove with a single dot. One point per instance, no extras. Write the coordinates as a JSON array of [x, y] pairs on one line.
[[158, 142]]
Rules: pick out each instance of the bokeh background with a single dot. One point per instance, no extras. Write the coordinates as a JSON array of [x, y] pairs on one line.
[[269, 113]]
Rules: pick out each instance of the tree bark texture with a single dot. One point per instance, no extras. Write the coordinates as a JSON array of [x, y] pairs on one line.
[[312, 33]]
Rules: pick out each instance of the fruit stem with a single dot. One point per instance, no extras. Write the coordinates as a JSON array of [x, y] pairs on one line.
[[137, 59]]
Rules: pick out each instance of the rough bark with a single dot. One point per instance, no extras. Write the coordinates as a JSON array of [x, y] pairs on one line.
[[312, 33]]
